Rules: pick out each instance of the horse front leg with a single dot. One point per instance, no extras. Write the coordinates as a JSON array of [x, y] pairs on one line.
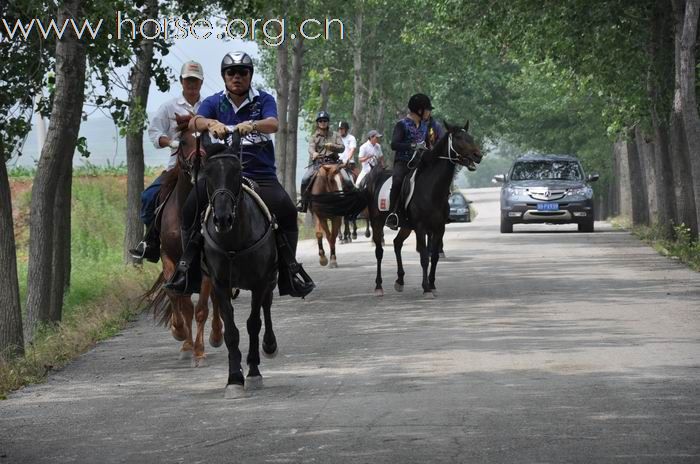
[[398, 245], [187, 313], [335, 230], [320, 224], [254, 379], [345, 238], [354, 229], [201, 314], [435, 252], [216, 336], [269, 344], [235, 383], [422, 249], [378, 238]]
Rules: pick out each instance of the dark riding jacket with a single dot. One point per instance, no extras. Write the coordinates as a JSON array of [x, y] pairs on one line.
[[406, 133]]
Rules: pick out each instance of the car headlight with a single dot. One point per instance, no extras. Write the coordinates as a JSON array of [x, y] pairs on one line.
[[580, 192], [518, 191]]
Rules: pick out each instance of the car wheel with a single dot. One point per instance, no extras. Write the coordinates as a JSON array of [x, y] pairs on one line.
[[586, 226], [506, 226]]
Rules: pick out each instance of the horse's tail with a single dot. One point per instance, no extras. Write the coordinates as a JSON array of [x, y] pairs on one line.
[[158, 301]]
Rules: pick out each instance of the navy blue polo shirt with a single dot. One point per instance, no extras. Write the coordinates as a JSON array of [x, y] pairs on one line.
[[258, 160]]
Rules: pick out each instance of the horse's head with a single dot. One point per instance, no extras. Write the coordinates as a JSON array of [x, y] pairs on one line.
[[461, 147], [187, 152], [223, 176]]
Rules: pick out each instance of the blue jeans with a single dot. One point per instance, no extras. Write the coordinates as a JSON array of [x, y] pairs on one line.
[[149, 200]]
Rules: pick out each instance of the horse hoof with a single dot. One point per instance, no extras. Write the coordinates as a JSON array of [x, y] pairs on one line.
[[323, 261], [368, 235], [442, 255], [176, 335], [379, 292], [428, 295], [234, 391], [185, 355], [199, 362], [398, 287], [333, 264], [354, 236], [215, 343], [253, 383], [434, 292], [270, 351]]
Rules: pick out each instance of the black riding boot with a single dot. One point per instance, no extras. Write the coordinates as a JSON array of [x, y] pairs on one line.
[[306, 182], [188, 273], [293, 280], [149, 247]]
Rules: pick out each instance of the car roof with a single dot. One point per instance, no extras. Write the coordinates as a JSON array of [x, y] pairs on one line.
[[547, 158]]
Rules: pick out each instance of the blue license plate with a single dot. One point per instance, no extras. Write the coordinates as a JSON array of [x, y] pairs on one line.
[[548, 207]]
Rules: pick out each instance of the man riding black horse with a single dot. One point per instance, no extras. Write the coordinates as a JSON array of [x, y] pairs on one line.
[[253, 113], [412, 135]]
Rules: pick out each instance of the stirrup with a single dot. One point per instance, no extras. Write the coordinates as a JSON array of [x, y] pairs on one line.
[[392, 221], [144, 251]]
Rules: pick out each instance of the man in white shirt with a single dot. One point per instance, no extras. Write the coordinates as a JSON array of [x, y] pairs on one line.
[[162, 131], [348, 141], [370, 155]]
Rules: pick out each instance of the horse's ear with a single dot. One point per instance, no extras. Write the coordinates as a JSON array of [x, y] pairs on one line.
[[205, 138], [466, 126], [447, 126]]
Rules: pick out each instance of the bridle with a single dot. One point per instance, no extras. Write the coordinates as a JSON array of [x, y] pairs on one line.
[[459, 158], [235, 197]]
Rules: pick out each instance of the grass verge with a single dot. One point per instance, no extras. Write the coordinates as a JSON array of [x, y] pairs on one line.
[[681, 247], [103, 291]]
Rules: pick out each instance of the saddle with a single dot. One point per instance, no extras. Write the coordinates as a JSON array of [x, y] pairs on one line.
[[383, 199]]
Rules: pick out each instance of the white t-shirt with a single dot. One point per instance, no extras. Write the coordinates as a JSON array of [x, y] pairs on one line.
[[163, 123], [375, 151], [350, 142]]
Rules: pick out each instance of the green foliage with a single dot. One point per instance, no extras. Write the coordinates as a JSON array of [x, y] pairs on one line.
[[682, 246]]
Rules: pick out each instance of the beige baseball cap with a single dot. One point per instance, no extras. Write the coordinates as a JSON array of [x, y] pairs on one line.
[[192, 69]]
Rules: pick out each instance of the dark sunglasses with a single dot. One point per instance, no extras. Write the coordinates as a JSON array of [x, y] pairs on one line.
[[243, 72]]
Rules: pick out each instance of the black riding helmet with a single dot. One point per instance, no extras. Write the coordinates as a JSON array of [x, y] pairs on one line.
[[343, 125], [323, 115], [419, 103], [237, 60]]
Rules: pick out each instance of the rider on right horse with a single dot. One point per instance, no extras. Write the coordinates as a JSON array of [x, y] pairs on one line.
[[412, 135], [324, 147]]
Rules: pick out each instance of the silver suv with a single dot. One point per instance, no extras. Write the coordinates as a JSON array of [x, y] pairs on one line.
[[546, 189]]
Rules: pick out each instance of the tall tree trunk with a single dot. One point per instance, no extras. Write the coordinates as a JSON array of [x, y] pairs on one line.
[[689, 107], [645, 149], [358, 105], [370, 116], [60, 142], [11, 339], [614, 187], [685, 200], [659, 46], [624, 181], [140, 81], [293, 116], [62, 237], [325, 91], [640, 208], [282, 90]]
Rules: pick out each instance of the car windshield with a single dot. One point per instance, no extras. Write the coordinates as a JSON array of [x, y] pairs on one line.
[[543, 170], [457, 200]]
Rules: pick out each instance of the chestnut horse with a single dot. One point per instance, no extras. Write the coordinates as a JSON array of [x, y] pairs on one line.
[[328, 182], [179, 311]]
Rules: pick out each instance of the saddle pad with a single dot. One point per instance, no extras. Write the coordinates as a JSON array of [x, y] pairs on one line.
[[383, 199]]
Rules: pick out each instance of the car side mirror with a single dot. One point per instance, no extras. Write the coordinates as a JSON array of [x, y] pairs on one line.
[[498, 178], [593, 177]]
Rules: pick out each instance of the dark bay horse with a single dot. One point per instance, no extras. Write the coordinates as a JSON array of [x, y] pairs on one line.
[[427, 210], [178, 311], [350, 222], [239, 252]]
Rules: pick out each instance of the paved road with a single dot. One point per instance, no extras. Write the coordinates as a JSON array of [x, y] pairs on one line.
[[544, 346]]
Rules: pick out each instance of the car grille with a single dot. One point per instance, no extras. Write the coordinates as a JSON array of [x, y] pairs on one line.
[[546, 194]]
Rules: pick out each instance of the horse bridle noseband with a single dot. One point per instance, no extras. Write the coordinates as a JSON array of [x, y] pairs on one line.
[[235, 197], [450, 149]]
